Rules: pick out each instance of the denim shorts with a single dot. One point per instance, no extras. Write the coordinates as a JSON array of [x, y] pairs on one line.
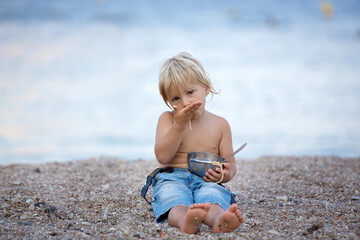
[[184, 188]]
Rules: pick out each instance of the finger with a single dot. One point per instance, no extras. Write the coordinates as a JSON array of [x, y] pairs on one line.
[[216, 172], [193, 106], [212, 175], [206, 179]]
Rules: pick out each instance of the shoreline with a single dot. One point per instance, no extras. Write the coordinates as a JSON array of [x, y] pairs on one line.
[[280, 197]]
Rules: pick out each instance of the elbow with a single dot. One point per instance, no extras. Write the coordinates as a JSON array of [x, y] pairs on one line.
[[161, 158]]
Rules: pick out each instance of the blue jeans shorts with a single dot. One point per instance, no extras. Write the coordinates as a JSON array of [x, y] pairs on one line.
[[184, 188]]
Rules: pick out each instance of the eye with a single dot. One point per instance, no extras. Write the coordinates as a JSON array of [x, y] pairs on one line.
[[190, 92], [174, 99]]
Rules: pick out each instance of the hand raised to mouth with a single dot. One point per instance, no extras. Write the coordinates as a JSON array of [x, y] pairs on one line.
[[184, 115]]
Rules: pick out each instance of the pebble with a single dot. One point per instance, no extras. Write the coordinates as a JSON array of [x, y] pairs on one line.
[[139, 235], [355, 197], [86, 223], [106, 213], [40, 204], [17, 196], [71, 216], [5, 205], [106, 186], [29, 201], [32, 207], [274, 232], [16, 182], [23, 217], [50, 209], [282, 198]]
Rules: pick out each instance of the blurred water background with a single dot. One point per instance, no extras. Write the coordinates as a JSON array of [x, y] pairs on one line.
[[79, 79]]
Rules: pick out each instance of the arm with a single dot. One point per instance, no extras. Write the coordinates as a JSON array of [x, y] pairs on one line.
[[225, 150], [168, 138], [170, 130]]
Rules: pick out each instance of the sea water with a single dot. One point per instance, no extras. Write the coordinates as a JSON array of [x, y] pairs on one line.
[[78, 79]]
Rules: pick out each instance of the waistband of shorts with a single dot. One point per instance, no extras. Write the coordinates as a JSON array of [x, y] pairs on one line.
[[181, 169]]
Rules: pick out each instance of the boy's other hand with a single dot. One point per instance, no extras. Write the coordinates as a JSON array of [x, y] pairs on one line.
[[215, 176]]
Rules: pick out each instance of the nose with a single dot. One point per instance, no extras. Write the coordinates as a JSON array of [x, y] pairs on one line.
[[185, 102]]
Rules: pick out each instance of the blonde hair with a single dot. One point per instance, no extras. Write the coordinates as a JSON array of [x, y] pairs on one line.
[[178, 71]]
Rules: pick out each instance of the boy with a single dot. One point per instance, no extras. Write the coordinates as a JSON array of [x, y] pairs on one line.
[[184, 198]]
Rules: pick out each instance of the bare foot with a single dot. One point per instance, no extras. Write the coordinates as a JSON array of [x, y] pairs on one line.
[[229, 221], [194, 217]]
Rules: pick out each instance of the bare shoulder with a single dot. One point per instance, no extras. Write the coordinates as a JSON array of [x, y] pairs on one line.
[[167, 115], [220, 121]]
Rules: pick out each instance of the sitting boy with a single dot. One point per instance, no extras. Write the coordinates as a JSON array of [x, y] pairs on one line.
[[184, 198]]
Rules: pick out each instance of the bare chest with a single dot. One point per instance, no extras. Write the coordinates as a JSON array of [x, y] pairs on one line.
[[201, 139]]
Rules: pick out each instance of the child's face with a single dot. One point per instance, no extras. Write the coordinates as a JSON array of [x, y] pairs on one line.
[[182, 97]]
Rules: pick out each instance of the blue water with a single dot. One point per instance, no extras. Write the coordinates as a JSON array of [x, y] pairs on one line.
[[78, 79]]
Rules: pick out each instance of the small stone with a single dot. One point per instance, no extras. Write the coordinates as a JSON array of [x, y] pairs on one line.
[[106, 213], [50, 209], [32, 207], [29, 201], [106, 186], [5, 205], [86, 223], [40, 204], [18, 195], [23, 217], [355, 197], [53, 233], [139, 235], [71, 216], [274, 232], [315, 227], [282, 198], [16, 182]]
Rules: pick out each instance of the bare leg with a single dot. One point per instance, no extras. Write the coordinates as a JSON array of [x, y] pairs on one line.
[[188, 219], [229, 220]]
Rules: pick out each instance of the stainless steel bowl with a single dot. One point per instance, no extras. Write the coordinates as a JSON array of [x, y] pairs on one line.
[[200, 162]]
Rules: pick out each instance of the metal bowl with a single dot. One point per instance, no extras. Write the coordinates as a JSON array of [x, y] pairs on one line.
[[200, 162]]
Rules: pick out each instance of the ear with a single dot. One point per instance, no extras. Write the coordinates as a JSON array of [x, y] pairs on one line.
[[207, 90]]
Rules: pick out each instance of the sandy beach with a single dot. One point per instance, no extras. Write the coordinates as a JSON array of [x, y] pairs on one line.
[[280, 198]]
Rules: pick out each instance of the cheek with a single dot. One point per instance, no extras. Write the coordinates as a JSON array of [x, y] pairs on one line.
[[176, 105]]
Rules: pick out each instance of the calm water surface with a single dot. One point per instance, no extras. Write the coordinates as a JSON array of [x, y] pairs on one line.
[[79, 79]]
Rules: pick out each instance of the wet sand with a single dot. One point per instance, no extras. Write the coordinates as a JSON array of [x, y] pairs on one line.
[[279, 197]]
